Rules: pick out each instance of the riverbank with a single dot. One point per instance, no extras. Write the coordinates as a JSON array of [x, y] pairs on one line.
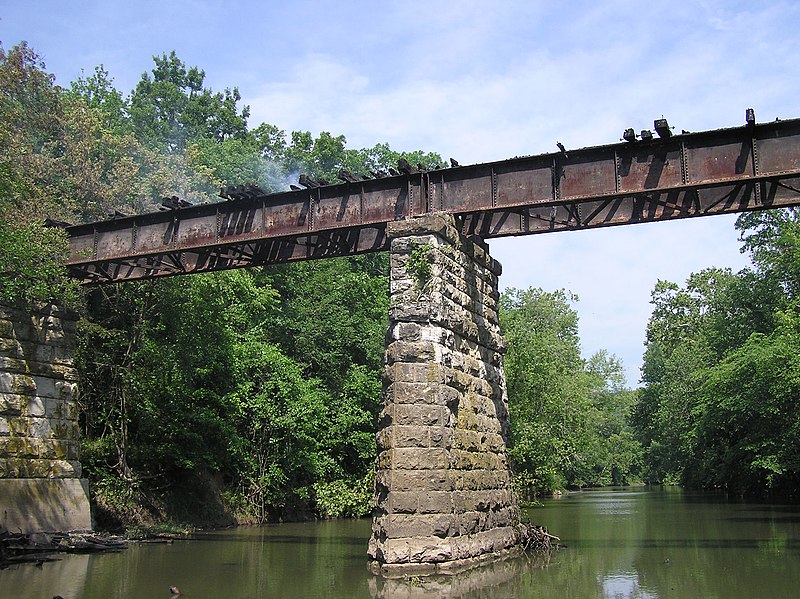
[[39, 548]]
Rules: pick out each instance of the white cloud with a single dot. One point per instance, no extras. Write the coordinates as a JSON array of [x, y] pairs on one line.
[[613, 271], [478, 82]]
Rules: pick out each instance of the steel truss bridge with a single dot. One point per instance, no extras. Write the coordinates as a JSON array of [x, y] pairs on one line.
[[753, 167]]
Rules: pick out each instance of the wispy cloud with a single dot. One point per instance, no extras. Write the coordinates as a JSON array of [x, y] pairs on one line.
[[612, 68], [479, 82]]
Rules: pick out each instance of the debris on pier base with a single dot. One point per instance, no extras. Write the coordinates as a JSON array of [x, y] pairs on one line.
[[536, 538]]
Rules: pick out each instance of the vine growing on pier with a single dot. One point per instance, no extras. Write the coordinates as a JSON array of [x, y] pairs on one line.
[[419, 264]]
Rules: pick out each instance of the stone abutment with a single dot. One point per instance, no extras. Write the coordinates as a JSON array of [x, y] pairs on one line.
[[443, 496], [40, 473]]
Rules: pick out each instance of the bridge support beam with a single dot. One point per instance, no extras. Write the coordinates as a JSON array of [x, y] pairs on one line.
[[40, 473], [442, 492]]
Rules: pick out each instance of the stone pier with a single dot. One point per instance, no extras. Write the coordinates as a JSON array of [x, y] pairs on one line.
[[443, 491], [40, 474]]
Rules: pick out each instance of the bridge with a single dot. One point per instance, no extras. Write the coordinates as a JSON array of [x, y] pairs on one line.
[[442, 494], [695, 174]]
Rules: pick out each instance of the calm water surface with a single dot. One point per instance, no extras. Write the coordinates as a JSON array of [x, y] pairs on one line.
[[626, 543]]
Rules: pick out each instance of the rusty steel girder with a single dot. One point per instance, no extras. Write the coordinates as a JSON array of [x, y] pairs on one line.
[[754, 167]]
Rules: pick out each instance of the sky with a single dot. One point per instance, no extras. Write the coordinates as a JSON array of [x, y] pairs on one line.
[[478, 81]]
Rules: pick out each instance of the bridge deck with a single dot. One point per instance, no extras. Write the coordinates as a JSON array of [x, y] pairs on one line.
[[697, 174]]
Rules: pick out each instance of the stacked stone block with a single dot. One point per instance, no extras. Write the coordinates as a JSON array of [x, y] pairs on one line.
[[40, 486], [443, 493], [39, 436]]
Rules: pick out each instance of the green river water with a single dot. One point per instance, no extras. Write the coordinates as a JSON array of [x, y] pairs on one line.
[[620, 543]]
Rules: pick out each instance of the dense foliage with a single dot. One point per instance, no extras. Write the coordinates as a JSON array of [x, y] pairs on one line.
[[568, 415], [719, 407], [194, 374]]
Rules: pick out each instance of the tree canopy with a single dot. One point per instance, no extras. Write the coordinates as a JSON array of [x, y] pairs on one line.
[[569, 424], [719, 404]]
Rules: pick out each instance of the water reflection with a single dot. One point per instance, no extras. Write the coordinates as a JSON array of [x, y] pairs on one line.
[[641, 544], [624, 585], [497, 579], [59, 577]]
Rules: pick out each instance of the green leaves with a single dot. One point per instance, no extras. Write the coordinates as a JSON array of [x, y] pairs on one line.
[[171, 107], [280, 416], [31, 268], [196, 374], [568, 417], [720, 372], [749, 422]]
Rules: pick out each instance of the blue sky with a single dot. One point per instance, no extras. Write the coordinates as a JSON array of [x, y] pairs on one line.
[[478, 81]]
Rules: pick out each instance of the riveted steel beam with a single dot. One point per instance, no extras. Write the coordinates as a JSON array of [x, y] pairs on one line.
[[754, 167]]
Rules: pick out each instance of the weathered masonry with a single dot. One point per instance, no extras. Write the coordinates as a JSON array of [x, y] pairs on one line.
[[40, 484], [443, 489]]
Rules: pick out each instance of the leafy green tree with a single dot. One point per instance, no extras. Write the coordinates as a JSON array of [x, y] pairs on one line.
[[568, 418], [318, 157], [749, 432], [170, 107], [236, 161], [542, 360], [30, 126], [715, 410], [333, 319], [677, 350], [157, 364], [31, 268], [31, 113], [325, 155], [615, 453], [773, 239], [29, 99], [380, 157], [98, 92], [282, 416], [270, 141]]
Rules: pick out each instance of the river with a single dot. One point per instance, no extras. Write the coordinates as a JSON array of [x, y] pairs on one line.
[[620, 543]]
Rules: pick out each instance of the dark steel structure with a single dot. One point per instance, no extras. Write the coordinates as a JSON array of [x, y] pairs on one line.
[[753, 167]]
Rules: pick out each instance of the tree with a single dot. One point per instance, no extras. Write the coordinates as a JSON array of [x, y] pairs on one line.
[[30, 126], [171, 107], [567, 417], [99, 94], [236, 161], [542, 358], [31, 268], [282, 415], [749, 430], [31, 120], [715, 410], [615, 454]]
